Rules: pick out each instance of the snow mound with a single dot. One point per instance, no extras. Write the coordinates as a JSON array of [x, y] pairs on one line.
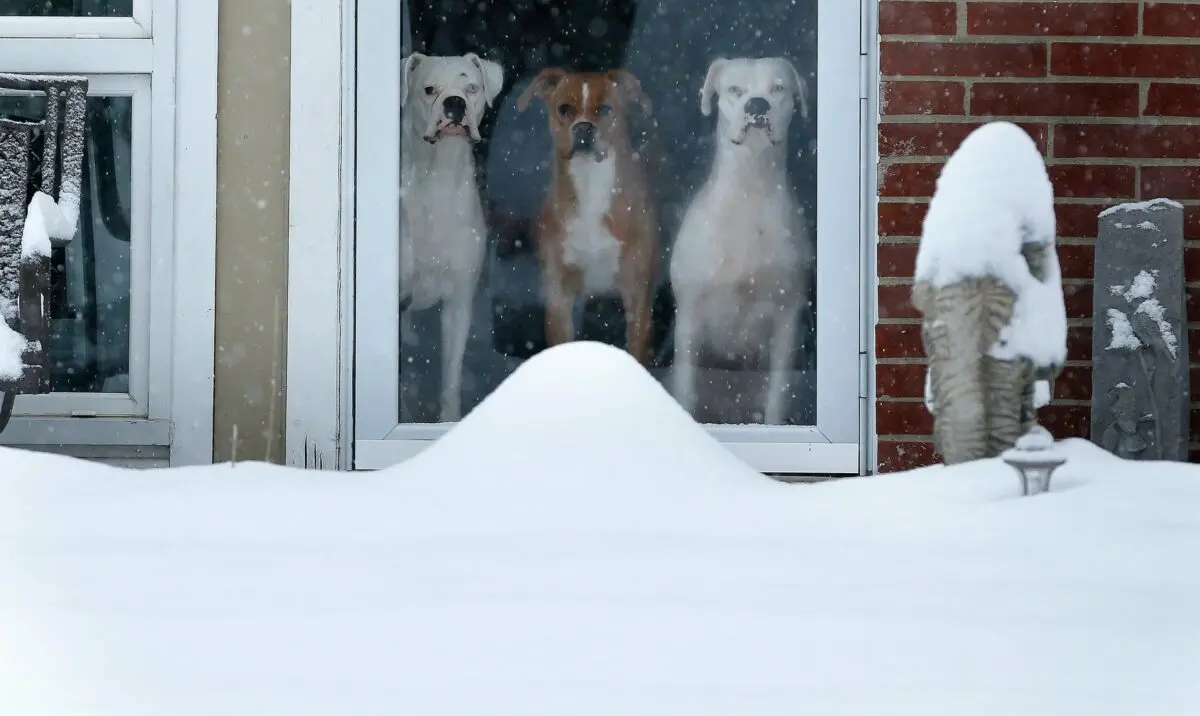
[[581, 415], [257, 590], [993, 198]]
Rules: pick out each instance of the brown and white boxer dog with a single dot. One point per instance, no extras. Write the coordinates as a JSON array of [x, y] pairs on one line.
[[598, 231]]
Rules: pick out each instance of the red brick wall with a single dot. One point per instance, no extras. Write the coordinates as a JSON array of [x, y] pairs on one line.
[[1111, 93]]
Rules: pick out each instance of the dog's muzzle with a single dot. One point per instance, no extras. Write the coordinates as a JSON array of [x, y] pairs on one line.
[[757, 109], [583, 137], [455, 109]]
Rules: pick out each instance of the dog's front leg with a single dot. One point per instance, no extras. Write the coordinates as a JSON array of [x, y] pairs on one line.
[[560, 311], [783, 341], [456, 327], [635, 299], [683, 374]]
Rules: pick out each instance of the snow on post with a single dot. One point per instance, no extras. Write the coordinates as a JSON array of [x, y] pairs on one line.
[[28, 230], [16, 139], [988, 287]]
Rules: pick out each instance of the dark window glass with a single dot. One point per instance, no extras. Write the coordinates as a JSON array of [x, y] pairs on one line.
[[67, 8], [668, 45]]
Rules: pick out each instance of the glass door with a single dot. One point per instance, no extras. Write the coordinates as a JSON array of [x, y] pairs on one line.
[[551, 104]]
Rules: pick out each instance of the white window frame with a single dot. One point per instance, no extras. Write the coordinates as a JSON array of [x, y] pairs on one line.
[[137, 25], [330, 202], [173, 223]]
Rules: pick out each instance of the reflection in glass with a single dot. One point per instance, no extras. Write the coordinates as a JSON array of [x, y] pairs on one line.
[[668, 46], [67, 8], [89, 301]]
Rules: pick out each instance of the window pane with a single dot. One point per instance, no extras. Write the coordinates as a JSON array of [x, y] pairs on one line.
[[740, 267], [67, 8], [88, 347]]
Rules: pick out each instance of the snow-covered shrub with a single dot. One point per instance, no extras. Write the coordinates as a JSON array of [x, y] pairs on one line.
[[989, 288]]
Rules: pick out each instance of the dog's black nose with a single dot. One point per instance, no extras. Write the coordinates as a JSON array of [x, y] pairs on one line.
[[455, 108], [757, 107], [584, 134]]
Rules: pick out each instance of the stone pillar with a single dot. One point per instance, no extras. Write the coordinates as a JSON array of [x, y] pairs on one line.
[[1139, 335]]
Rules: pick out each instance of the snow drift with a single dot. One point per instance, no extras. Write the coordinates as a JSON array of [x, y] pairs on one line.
[[578, 546]]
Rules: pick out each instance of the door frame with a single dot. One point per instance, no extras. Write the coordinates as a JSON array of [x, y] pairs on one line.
[[320, 382]]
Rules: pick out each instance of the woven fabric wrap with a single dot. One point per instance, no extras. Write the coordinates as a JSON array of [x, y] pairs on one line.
[[981, 404]]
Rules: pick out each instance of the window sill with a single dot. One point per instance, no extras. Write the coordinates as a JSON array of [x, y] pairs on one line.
[[38, 432]]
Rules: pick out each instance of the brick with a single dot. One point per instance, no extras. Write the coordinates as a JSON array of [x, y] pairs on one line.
[[1191, 262], [1078, 300], [959, 59], [1192, 306], [1171, 20], [898, 455], [1173, 99], [901, 219], [1074, 383], [1191, 228], [1052, 18], [895, 301], [895, 260], [1077, 260], [900, 381], [1193, 345], [1195, 425], [1093, 181], [924, 139], [1079, 343], [917, 18], [892, 418], [1179, 183], [1059, 99], [1126, 140], [1078, 221], [942, 98], [908, 180], [1089, 59], [898, 340], [1066, 421]]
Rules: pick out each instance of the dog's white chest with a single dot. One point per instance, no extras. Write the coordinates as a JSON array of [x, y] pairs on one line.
[[589, 245]]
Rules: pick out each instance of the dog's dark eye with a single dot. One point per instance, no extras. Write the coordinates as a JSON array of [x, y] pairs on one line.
[[777, 89], [472, 89], [564, 109], [429, 90], [603, 110]]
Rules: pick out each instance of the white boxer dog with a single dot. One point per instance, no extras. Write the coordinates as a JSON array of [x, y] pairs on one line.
[[740, 265], [442, 230]]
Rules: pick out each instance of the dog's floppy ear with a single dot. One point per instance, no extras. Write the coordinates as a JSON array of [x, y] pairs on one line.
[[801, 87], [410, 63], [542, 87], [631, 87], [710, 85], [493, 76]]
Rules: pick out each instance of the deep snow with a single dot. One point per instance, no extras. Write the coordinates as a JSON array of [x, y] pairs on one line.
[[577, 545]]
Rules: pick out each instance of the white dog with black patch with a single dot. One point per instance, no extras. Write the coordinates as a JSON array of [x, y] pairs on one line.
[[740, 265], [443, 234]]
